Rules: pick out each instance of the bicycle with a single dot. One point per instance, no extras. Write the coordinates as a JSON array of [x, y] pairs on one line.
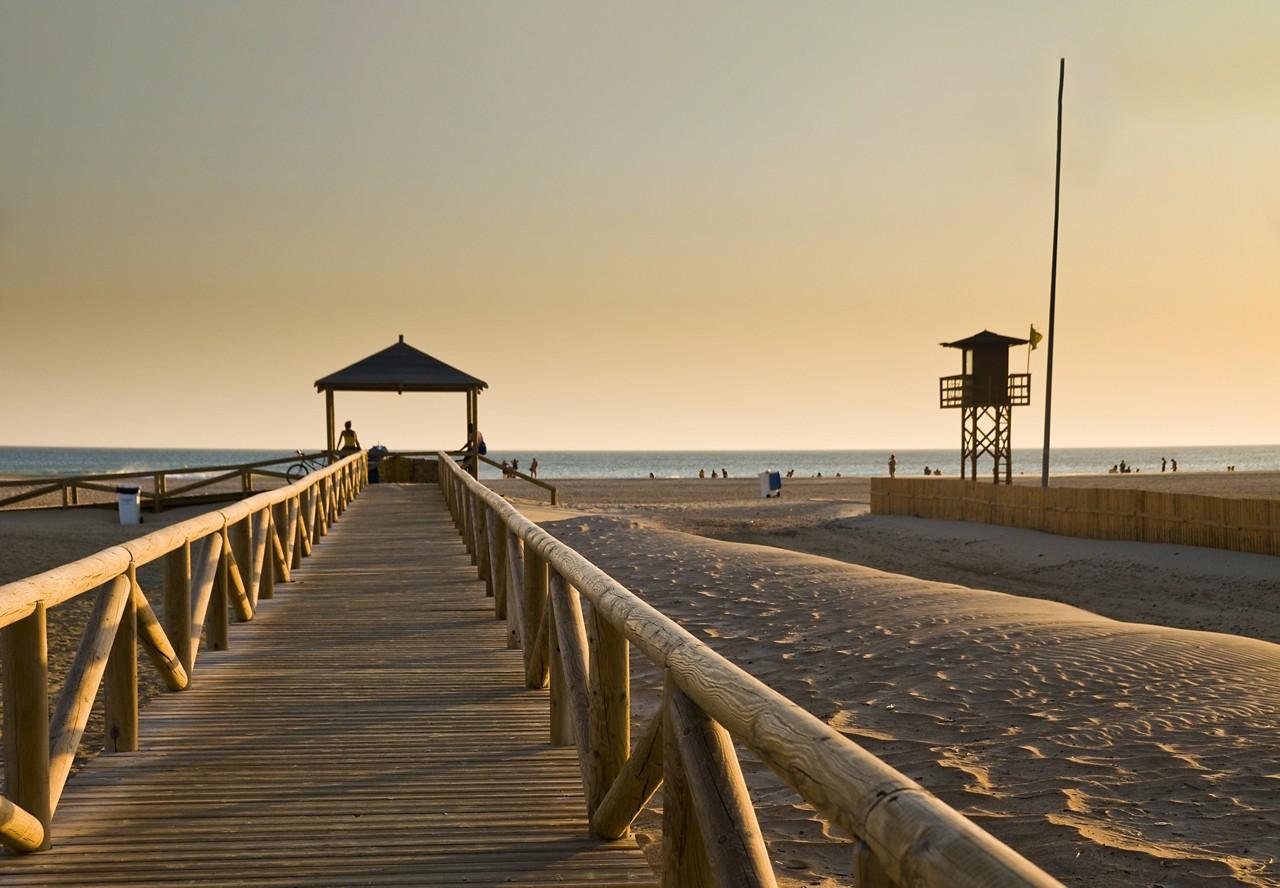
[[303, 467]]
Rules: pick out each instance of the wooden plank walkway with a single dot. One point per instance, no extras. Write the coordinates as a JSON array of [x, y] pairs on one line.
[[369, 727]]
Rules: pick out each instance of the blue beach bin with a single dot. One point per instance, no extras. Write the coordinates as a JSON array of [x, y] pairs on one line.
[[770, 484]]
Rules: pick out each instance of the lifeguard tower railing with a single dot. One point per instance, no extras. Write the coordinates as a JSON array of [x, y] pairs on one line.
[[226, 559], [574, 625], [963, 390]]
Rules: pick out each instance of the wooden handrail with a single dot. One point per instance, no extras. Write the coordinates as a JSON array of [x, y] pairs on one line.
[[41, 751], [69, 485], [905, 835]]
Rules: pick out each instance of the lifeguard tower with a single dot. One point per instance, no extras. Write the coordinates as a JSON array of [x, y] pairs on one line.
[[986, 393]]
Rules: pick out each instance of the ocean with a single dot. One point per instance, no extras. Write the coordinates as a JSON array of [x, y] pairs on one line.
[[552, 464]]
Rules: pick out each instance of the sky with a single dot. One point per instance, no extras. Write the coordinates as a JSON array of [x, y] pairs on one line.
[[646, 225]]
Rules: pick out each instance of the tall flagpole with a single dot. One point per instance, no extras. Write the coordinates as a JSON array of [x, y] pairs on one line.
[[1053, 281]]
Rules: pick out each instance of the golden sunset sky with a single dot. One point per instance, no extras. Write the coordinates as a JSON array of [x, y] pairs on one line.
[[647, 225]]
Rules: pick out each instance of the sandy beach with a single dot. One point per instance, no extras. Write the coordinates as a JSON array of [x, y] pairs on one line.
[[1110, 710], [1095, 705]]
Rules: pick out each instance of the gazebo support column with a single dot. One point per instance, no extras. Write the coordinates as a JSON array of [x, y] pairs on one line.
[[330, 440]]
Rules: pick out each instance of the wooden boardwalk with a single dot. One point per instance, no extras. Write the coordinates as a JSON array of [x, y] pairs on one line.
[[369, 727]]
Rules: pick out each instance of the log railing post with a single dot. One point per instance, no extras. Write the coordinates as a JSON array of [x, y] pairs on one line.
[[258, 525], [610, 683], [732, 842], [495, 532], [515, 591], [218, 619], [482, 546], [534, 592], [24, 649], [177, 602], [120, 685], [634, 786], [574, 691], [684, 860]]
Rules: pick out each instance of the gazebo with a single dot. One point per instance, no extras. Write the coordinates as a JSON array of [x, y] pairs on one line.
[[402, 368]]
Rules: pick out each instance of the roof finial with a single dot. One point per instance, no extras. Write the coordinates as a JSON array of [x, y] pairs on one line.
[[402, 337]]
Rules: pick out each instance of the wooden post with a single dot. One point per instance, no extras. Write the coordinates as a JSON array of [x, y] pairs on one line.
[[218, 619], [331, 443], [482, 546], [260, 524], [684, 861], [610, 682], [25, 656], [575, 696], [205, 579], [177, 602], [731, 838], [120, 692], [535, 596], [515, 591], [497, 563]]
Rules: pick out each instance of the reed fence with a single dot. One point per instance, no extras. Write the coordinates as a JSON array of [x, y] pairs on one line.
[[574, 625], [157, 488], [217, 564], [1101, 513]]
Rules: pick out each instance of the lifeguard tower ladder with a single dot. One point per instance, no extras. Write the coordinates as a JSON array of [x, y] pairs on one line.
[[986, 393]]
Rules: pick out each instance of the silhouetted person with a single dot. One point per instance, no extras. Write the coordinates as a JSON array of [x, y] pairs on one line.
[[349, 442], [893, 465]]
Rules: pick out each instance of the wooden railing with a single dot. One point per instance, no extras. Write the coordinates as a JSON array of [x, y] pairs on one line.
[[574, 623], [1102, 513], [223, 560], [157, 487]]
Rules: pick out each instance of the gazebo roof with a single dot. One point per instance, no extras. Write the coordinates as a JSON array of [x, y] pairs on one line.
[[985, 339], [400, 368]]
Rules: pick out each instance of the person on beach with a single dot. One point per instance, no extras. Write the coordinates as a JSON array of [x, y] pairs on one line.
[[475, 440], [533, 468], [893, 465], [1173, 464], [1163, 463], [349, 442]]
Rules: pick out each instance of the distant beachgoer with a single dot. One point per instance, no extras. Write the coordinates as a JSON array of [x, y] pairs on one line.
[[713, 474], [475, 440], [533, 468], [926, 471], [350, 442], [937, 472], [791, 473], [702, 473], [1173, 464], [893, 465], [506, 469], [724, 473], [515, 465], [1163, 463], [1113, 470], [651, 475]]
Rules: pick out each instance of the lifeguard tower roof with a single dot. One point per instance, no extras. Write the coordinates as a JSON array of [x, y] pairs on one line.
[[986, 339], [400, 368]]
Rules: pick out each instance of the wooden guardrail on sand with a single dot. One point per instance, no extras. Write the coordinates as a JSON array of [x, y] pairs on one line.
[[161, 487], [1102, 513], [223, 560], [574, 624]]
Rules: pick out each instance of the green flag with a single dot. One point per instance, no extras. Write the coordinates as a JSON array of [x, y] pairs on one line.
[[1035, 337]]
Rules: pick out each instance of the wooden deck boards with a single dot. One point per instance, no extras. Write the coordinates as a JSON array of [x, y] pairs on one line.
[[368, 728]]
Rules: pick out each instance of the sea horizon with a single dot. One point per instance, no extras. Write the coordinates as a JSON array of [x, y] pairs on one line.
[[18, 461]]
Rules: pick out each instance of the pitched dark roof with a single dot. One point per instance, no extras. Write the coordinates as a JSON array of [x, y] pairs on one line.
[[400, 368], [985, 338]]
